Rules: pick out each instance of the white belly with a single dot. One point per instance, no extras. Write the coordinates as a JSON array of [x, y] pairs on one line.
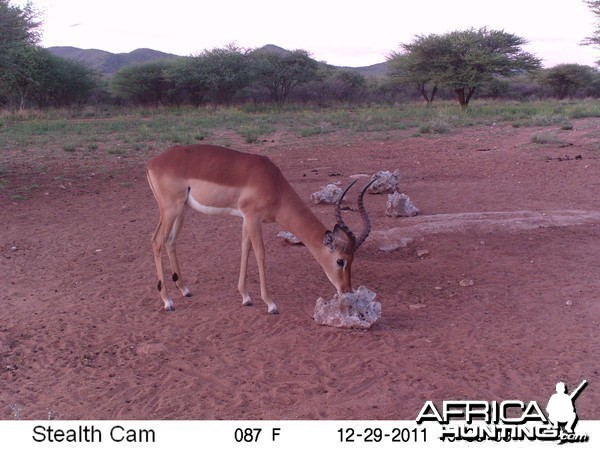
[[211, 209]]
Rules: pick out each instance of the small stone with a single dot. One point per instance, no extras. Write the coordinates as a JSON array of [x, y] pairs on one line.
[[438, 288], [147, 348], [389, 248], [392, 247], [466, 283], [568, 303], [289, 238], [422, 253], [416, 306], [14, 248]]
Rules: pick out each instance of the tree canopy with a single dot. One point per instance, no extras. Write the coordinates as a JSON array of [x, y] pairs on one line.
[[461, 60], [566, 79], [281, 73], [29, 72], [594, 39], [18, 32]]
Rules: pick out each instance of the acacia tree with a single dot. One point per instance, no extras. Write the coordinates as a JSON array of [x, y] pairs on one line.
[[565, 79], [594, 39], [145, 84], [224, 71], [61, 82], [412, 67], [281, 73], [188, 80], [215, 75], [18, 37], [18, 30], [31, 75], [462, 60]]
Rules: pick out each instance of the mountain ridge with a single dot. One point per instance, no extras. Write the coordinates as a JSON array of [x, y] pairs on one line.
[[107, 63]]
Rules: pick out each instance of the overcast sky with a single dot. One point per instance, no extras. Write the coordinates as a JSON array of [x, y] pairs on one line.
[[340, 32]]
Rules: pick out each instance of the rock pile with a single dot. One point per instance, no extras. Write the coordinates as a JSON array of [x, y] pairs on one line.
[[385, 181], [327, 195], [399, 205], [356, 309]]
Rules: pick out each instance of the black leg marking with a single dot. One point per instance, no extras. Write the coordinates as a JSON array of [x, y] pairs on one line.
[[159, 285], [175, 277]]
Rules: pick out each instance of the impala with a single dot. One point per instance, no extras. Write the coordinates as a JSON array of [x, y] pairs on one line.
[[215, 180]]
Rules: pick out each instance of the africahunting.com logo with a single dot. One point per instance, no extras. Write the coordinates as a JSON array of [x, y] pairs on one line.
[[510, 420]]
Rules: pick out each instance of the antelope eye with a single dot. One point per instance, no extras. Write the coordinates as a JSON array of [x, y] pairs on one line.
[[340, 262]]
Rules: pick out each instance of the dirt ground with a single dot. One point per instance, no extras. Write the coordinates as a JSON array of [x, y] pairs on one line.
[[83, 334]]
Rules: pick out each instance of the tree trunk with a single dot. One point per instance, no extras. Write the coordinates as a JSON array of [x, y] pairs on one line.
[[470, 94], [460, 94], [427, 97], [423, 92], [464, 97]]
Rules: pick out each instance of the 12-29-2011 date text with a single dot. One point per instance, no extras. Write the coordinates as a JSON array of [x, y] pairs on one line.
[[375, 434]]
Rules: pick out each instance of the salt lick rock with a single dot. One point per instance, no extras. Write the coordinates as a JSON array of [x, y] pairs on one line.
[[399, 205], [385, 181], [356, 309], [328, 195]]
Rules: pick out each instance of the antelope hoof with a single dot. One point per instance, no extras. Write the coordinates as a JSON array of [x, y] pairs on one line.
[[273, 309], [186, 292], [247, 301], [169, 305]]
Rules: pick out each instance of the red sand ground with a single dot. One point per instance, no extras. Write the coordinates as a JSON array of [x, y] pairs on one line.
[[83, 335]]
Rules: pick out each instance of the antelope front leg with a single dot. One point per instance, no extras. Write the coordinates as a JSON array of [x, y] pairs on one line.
[[246, 246], [255, 233]]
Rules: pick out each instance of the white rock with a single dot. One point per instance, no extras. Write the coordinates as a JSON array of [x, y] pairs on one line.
[[389, 248], [399, 205], [386, 182], [290, 238], [328, 195], [356, 309]]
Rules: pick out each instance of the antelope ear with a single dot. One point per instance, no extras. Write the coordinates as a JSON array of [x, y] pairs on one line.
[[329, 239], [331, 236]]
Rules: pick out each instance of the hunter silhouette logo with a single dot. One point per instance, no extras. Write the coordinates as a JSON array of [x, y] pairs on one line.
[[561, 407], [510, 420]]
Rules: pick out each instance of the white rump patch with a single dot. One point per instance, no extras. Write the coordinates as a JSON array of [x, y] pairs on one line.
[[212, 209]]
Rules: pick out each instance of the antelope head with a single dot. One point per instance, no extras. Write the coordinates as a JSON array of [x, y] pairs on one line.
[[342, 243]]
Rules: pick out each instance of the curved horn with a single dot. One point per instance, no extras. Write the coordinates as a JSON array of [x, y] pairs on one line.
[[338, 216], [338, 203], [364, 215]]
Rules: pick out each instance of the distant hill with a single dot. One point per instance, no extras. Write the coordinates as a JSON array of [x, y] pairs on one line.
[[270, 48], [375, 70], [108, 63]]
